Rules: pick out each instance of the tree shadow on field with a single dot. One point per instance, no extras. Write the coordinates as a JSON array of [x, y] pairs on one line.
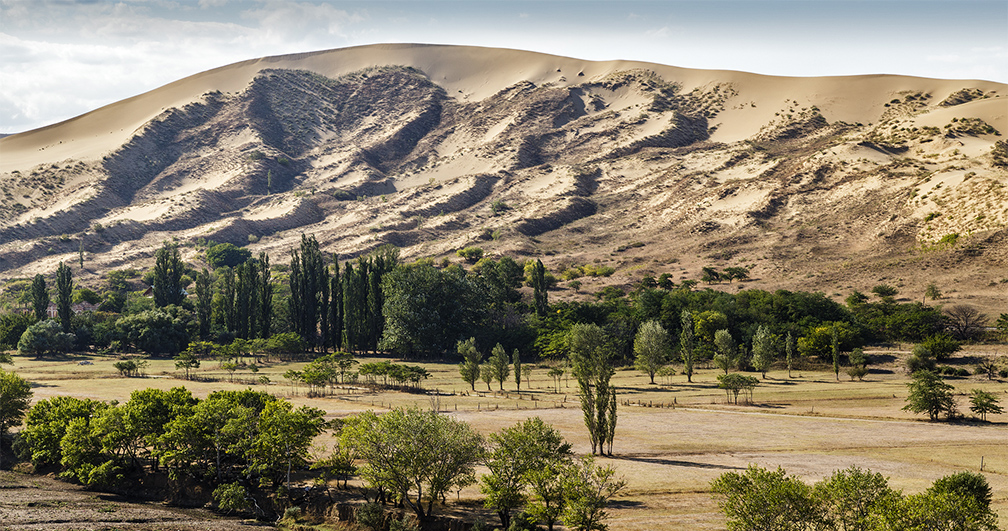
[[625, 504], [672, 462]]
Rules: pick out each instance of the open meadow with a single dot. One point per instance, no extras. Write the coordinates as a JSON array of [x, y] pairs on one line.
[[672, 437]]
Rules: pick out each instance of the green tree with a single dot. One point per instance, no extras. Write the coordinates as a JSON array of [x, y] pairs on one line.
[[45, 338], [982, 403], [46, 425], [725, 358], [764, 499], [486, 374], [591, 364], [427, 310], [266, 297], [500, 365], [651, 348], [514, 453], [932, 291], [470, 254], [736, 383], [540, 289], [187, 361], [588, 488], [284, 439], [963, 485], [40, 297], [471, 359], [687, 344], [739, 273], [162, 330], [64, 296], [763, 349], [858, 362], [789, 348], [227, 254], [15, 397], [168, 269], [941, 346], [307, 272], [516, 359], [835, 351], [885, 292], [204, 299], [929, 394], [850, 498], [416, 456]]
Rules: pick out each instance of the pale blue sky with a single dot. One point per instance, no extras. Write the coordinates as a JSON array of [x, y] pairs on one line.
[[61, 58]]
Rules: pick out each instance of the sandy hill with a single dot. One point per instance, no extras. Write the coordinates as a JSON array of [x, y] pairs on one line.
[[832, 183]]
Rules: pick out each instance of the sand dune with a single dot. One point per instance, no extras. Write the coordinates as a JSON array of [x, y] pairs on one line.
[[828, 183], [471, 73]]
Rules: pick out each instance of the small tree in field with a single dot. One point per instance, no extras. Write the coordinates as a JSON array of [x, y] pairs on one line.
[[652, 348], [982, 403], [499, 364], [726, 350], [471, 359], [187, 361], [588, 488], [763, 350], [687, 344], [929, 394]]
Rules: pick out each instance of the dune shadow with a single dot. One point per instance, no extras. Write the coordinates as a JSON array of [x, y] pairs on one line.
[[673, 462]]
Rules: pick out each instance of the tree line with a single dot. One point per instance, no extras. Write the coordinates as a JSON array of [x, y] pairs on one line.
[[243, 446], [421, 310]]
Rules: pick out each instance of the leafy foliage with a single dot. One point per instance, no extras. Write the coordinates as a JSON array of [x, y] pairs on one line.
[[929, 394]]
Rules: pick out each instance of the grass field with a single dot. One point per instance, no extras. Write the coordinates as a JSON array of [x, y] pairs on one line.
[[672, 438]]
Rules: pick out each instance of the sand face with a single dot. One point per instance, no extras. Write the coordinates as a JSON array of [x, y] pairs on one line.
[[831, 183]]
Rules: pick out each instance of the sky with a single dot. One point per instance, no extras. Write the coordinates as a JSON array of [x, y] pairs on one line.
[[62, 58]]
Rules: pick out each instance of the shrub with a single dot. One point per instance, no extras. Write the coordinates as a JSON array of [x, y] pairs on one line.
[[371, 515], [470, 254], [45, 338], [230, 498], [941, 346], [226, 254]]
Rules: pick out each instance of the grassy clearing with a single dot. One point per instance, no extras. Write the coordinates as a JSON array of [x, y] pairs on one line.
[[671, 440]]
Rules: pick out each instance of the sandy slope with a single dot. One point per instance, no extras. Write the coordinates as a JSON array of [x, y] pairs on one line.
[[473, 73], [830, 183]]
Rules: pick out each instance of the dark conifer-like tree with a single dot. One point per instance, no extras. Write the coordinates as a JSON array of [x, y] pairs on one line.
[[539, 289], [64, 296], [40, 297], [336, 308], [168, 276], [204, 299], [265, 296]]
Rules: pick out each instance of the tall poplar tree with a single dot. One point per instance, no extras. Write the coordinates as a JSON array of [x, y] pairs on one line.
[[591, 364], [64, 296], [687, 344], [336, 308], [265, 296], [40, 297], [204, 299], [168, 276], [540, 296]]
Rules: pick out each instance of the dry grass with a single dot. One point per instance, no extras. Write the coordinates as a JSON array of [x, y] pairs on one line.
[[810, 424]]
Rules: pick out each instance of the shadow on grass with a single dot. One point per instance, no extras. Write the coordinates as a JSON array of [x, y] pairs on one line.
[[625, 504], [672, 462]]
